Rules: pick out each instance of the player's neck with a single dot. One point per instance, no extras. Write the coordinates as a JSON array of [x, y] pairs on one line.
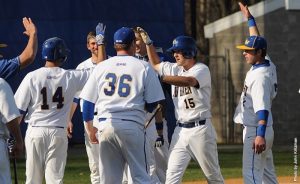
[[124, 53], [51, 64]]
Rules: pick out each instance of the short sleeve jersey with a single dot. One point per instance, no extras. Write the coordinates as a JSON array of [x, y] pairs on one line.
[[260, 88], [120, 86], [47, 94], [9, 67], [190, 103]]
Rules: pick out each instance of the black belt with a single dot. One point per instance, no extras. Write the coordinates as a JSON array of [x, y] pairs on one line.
[[50, 126], [192, 124]]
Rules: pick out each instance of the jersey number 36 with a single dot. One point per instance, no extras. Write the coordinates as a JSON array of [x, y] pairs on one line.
[[123, 85]]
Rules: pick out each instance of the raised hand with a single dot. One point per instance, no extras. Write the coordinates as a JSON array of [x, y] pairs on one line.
[[100, 32], [144, 36]]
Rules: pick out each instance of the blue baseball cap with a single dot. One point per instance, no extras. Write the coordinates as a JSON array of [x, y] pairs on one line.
[[253, 42], [124, 35]]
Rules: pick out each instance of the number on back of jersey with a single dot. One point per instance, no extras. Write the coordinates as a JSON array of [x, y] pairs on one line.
[[122, 85], [57, 97]]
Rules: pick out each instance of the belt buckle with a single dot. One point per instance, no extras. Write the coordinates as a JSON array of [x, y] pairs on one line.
[[197, 123]]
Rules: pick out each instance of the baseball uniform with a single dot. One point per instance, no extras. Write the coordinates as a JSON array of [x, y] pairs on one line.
[[194, 137], [120, 87], [260, 88], [92, 150], [47, 94], [8, 112]]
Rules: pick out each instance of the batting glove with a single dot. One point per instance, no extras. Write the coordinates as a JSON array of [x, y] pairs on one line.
[[100, 31], [159, 141], [144, 36], [11, 144]]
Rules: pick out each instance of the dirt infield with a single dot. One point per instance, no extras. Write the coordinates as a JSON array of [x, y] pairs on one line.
[[281, 180]]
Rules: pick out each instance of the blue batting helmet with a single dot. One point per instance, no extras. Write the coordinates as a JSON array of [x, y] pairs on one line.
[[186, 45], [55, 49]]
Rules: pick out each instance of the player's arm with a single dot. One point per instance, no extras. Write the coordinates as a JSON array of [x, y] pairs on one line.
[[100, 39], [159, 128], [88, 109], [253, 30], [29, 53], [180, 81], [151, 50], [259, 144], [72, 111]]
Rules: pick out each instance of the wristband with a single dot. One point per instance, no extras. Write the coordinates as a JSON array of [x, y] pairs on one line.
[[159, 125], [251, 22], [149, 42], [261, 130]]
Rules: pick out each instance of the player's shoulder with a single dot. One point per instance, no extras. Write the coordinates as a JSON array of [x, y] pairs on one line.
[[84, 63], [3, 83]]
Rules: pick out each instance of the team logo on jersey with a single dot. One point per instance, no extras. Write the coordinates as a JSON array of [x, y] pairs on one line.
[[181, 91]]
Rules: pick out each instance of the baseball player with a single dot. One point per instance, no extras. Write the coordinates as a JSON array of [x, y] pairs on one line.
[[47, 94], [120, 88], [254, 108], [157, 130], [10, 67], [93, 45], [9, 123], [194, 137]]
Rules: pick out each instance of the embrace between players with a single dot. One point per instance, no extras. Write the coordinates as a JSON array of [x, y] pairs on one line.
[[115, 96]]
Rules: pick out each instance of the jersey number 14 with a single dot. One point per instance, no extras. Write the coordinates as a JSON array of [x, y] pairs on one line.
[[57, 97]]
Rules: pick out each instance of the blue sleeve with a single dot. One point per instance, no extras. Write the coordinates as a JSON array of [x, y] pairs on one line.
[[76, 100], [262, 115], [150, 106], [88, 110], [9, 68]]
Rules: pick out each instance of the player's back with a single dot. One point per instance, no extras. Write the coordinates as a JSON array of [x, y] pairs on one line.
[[122, 87], [48, 93]]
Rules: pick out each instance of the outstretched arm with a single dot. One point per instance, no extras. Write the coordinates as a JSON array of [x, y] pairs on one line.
[[29, 53], [253, 30]]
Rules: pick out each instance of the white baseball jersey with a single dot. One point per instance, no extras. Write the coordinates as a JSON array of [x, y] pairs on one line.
[[92, 150], [48, 94], [122, 84], [190, 103], [8, 112], [83, 65], [8, 108], [260, 88]]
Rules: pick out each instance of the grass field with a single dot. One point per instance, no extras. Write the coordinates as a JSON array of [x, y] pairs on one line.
[[77, 171]]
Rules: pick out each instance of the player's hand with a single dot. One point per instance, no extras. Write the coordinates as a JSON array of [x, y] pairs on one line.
[[259, 144], [30, 29], [70, 129], [159, 141], [92, 136], [100, 31], [144, 36], [245, 10]]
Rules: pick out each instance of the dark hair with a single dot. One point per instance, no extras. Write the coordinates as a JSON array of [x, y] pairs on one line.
[[263, 52]]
